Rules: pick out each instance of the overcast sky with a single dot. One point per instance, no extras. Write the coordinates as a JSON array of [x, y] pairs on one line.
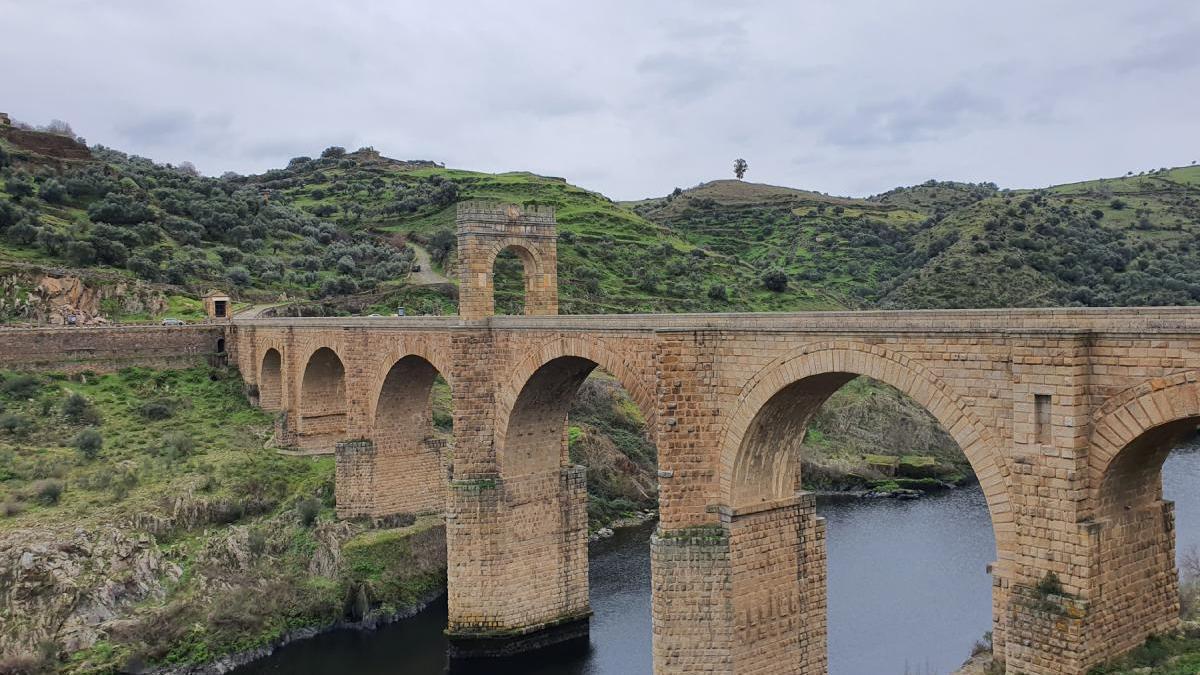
[[629, 98]]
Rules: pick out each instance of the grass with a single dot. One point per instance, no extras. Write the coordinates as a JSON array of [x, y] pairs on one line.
[[1160, 655], [222, 490]]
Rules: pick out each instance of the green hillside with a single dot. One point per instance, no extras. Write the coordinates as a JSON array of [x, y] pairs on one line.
[[1126, 241]]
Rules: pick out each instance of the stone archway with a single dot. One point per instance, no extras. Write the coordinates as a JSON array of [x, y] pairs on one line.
[[771, 542], [531, 272], [323, 401], [538, 498], [411, 469], [1135, 593], [590, 354], [803, 380], [487, 228], [270, 380]]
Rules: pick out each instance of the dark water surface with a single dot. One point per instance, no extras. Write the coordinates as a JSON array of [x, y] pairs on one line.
[[908, 592]]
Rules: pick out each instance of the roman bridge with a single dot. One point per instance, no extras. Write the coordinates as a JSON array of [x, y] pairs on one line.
[[1066, 416]]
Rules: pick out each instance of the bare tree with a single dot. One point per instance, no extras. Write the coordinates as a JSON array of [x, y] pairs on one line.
[[59, 128], [739, 167]]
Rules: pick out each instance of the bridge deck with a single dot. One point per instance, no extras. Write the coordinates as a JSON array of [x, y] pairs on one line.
[[1160, 320]]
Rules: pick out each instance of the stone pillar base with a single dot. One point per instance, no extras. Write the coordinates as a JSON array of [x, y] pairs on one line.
[[354, 483], [744, 595], [483, 649]]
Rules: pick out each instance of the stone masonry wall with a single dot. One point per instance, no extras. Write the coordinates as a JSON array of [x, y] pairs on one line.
[[107, 349]]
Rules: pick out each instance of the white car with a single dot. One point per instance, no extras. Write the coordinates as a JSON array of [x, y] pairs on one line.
[[172, 322]]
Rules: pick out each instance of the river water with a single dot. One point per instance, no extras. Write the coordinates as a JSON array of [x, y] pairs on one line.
[[908, 593]]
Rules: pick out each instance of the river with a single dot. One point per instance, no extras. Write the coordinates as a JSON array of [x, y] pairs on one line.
[[908, 593]]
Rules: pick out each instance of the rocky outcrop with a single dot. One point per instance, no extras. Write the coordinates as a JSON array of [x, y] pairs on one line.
[[50, 298], [66, 587]]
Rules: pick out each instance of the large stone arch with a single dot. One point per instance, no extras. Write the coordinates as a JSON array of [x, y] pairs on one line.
[[761, 508], [822, 364], [589, 355]]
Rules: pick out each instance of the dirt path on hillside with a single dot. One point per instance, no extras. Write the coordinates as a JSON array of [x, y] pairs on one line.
[[427, 276]]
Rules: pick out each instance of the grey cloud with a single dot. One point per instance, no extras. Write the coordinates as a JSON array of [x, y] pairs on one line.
[[907, 120], [685, 77], [629, 98], [1170, 53]]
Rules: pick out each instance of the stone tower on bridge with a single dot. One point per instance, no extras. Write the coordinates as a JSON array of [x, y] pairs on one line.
[[485, 229]]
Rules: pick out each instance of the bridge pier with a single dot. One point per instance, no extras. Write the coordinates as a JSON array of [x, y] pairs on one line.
[[518, 564], [744, 595]]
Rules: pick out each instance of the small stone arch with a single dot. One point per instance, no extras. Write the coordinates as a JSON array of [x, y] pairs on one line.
[[270, 380], [533, 274], [533, 404], [825, 367]]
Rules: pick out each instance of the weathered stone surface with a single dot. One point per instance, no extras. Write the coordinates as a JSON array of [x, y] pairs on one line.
[[66, 586]]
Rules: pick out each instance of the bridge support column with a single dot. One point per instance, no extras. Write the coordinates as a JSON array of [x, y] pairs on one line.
[[518, 563], [744, 596], [354, 482]]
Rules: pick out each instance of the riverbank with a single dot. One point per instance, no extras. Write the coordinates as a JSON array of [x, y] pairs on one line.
[[232, 662]]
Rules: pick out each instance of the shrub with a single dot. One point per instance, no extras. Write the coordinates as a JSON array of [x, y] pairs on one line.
[[333, 151], [775, 281], [88, 442], [10, 214], [256, 541], [21, 386], [239, 276], [80, 410], [52, 191], [81, 253], [308, 508], [1050, 585], [178, 445], [158, 409], [12, 507], [15, 424], [718, 292], [46, 491], [119, 209]]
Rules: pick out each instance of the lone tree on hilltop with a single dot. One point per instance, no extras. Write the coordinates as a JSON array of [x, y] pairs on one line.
[[739, 167]]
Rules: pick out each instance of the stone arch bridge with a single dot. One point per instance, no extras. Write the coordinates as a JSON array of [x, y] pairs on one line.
[[1066, 416]]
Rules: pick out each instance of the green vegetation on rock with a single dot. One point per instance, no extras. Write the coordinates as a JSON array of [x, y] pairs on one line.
[[150, 497]]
